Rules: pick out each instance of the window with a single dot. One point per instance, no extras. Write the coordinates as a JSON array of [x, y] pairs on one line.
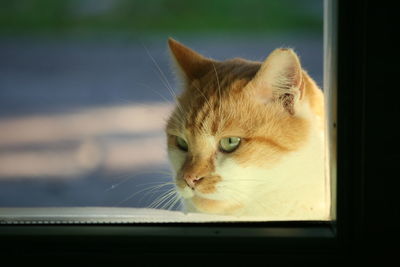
[[365, 218], [86, 92], [272, 238]]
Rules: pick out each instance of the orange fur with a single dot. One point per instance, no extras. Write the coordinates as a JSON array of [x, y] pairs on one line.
[[207, 185], [221, 99]]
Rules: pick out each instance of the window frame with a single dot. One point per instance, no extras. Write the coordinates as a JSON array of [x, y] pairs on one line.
[[308, 240]]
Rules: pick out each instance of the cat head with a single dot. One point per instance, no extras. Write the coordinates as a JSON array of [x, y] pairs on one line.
[[235, 123]]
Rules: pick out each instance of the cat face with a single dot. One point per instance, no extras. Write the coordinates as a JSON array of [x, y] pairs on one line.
[[237, 127]]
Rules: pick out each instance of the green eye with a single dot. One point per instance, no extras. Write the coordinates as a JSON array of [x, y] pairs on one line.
[[229, 144], [181, 143]]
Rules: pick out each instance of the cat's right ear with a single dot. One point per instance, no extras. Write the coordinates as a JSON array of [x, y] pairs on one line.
[[191, 64], [279, 79]]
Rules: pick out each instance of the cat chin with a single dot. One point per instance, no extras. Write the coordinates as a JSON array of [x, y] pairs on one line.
[[211, 206], [186, 192], [197, 202]]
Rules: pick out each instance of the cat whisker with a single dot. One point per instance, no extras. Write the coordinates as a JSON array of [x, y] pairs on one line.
[[160, 200], [127, 177], [175, 101], [163, 97], [177, 201], [154, 189], [151, 188], [177, 121], [205, 98], [219, 91], [164, 80], [173, 200], [156, 92], [251, 99]]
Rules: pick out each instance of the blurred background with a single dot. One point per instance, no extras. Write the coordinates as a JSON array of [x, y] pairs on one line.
[[85, 88]]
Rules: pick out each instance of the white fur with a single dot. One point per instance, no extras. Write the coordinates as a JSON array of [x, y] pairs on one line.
[[296, 187], [293, 189]]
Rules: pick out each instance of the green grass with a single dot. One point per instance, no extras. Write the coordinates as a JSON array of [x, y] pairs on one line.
[[59, 16]]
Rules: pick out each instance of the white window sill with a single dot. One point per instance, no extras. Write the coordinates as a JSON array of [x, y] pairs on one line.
[[101, 215]]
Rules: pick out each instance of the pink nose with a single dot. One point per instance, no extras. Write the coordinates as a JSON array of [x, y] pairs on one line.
[[192, 180]]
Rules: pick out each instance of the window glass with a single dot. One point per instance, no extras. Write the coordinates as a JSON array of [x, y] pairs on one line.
[[87, 88]]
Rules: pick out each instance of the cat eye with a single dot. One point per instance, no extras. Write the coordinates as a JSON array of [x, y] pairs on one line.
[[229, 144], [181, 143]]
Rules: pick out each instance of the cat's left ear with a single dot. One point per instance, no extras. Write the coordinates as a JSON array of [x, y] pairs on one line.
[[191, 64], [279, 79]]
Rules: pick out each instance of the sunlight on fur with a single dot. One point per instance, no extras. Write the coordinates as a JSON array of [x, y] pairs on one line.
[[273, 111]]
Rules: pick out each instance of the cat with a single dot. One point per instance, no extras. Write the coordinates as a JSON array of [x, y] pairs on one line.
[[246, 138]]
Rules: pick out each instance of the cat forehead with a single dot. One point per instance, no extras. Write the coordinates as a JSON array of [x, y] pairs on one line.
[[202, 137], [202, 144], [202, 140], [215, 121], [226, 75], [224, 116]]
